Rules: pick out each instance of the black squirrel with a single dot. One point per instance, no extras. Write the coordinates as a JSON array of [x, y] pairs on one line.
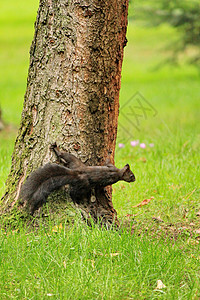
[[74, 172]]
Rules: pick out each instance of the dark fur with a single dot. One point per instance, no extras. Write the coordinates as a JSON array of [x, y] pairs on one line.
[[82, 178], [68, 160]]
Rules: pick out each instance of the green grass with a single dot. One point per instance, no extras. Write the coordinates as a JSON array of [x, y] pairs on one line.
[[17, 29], [171, 171], [83, 263]]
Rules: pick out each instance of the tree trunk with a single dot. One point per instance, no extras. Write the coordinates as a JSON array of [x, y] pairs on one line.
[[72, 95]]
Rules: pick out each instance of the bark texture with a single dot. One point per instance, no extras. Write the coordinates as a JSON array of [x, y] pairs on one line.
[[72, 94]]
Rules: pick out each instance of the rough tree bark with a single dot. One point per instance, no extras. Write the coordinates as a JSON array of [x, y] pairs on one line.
[[72, 94]]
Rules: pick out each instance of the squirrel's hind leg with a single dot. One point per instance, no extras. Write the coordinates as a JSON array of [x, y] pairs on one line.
[[67, 159]]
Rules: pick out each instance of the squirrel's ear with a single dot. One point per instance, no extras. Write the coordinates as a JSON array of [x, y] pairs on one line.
[[127, 167]]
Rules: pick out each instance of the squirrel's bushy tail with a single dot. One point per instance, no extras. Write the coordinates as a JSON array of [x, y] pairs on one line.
[[44, 181]]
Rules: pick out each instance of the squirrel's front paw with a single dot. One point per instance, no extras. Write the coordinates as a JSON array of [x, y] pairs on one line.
[[53, 146]]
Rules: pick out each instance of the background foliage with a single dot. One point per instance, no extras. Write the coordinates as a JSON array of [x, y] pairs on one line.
[[181, 14]]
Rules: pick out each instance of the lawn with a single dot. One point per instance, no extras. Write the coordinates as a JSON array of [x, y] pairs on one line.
[[158, 241]]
